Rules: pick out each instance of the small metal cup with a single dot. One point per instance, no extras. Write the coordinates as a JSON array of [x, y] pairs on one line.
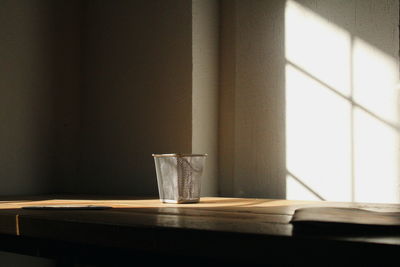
[[179, 177]]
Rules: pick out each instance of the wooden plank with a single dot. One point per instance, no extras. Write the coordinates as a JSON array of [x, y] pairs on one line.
[[8, 223], [76, 222], [259, 206], [240, 229], [256, 217], [245, 216], [150, 220]]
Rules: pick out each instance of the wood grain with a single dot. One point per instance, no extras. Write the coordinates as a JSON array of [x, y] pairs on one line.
[[217, 227]]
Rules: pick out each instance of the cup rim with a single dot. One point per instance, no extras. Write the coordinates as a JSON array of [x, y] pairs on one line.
[[178, 155]]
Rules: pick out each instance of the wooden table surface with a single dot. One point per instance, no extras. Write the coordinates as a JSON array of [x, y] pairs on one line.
[[236, 229]]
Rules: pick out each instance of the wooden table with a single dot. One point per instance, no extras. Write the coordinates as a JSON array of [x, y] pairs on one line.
[[219, 230]]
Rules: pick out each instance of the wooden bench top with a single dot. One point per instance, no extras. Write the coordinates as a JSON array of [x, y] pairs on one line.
[[220, 227]]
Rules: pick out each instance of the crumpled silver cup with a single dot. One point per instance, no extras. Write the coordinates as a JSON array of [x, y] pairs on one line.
[[179, 177]]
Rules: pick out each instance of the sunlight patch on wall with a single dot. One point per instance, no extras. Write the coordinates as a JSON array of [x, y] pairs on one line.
[[294, 188], [375, 76], [376, 160], [318, 47], [342, 113], [317, 136]]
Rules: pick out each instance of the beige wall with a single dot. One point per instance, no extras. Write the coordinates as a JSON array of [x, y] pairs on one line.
[[90, 89], [348, 121], [136, 93], [252, 105], [149, 86], [38, 81], [205, 32], [252, 99], [67, 94]]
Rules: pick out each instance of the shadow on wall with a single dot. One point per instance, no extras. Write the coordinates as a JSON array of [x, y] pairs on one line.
[[342, 100], [136, 94], [38, 83], [252, 99]]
